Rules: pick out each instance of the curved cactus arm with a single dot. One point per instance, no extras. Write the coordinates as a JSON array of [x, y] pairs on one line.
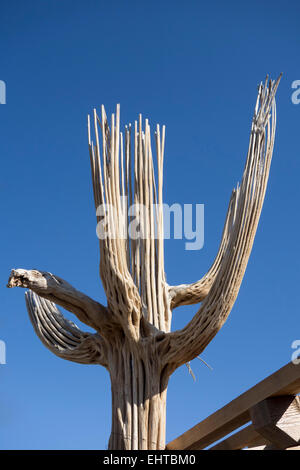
[[61, 336], [188, 294], [245, 209], [59, 291]]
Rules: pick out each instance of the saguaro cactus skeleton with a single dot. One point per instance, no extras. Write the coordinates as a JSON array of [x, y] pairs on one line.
[[133, 338]]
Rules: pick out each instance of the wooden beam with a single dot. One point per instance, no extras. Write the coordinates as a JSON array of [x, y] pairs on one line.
[[239, 440], [277, 419], [285, 381]]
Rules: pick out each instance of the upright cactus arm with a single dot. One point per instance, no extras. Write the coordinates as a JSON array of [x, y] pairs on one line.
[[127, 185], [188, 294], [61, 336], [244, 213]]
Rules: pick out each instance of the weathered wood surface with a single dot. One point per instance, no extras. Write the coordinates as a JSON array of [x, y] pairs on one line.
[[277, 419]]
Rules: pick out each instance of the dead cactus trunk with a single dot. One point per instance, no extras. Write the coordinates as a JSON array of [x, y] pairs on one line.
[[132, 337]]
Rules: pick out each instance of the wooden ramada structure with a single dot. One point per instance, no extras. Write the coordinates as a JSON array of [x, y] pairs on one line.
[[269, 413]]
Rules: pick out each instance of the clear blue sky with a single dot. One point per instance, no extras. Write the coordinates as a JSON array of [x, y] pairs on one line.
[[193, 66]]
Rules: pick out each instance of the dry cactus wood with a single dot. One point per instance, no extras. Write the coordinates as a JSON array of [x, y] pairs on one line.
[[133, 340]]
